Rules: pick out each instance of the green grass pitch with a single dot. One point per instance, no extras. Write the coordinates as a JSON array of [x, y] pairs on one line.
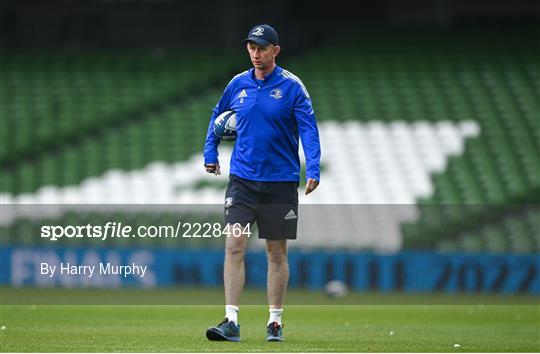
[[510, 326]]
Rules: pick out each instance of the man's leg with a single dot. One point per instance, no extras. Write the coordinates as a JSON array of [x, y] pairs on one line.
[[234, 270], [240, 201], [278, 273], [233, 279], [278, 277]]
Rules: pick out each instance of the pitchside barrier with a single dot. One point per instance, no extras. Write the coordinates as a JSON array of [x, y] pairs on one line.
[[425, 271]]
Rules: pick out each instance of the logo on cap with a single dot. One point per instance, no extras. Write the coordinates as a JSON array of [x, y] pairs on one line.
[[258, 31]]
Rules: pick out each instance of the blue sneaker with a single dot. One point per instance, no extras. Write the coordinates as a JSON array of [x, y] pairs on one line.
[[225, 331], [275, 332]]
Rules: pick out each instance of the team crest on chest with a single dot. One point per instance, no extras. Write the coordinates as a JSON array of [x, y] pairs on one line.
[[276, 93]]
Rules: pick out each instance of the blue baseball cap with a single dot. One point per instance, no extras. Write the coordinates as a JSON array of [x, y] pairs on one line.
[[262, 35]]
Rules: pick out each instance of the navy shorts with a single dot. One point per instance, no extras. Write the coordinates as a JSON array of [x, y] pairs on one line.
[[273, 205]]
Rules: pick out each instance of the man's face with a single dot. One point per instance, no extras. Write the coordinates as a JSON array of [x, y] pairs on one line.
[[262, 57]]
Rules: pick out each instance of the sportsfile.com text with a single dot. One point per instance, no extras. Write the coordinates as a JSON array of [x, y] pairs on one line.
[[113, 229]]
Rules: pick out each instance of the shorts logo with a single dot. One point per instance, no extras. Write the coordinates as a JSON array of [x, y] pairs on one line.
[[228, 202], [257, 32], [291, 215], [276, 93]]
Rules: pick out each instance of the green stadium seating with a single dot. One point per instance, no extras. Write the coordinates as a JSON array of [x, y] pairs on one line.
[[77, 116]]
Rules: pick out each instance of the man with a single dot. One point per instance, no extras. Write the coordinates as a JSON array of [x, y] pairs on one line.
[[273, 109]]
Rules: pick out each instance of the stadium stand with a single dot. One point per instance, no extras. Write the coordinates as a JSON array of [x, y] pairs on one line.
[[58, 101], [450, 131]]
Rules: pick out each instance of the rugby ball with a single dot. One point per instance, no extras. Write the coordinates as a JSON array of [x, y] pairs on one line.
[[225, 126]]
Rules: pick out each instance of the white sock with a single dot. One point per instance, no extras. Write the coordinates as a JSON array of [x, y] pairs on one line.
[[231, 312], [275, 316]]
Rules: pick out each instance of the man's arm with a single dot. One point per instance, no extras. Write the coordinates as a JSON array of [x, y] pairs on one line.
[[211, 161], [309, 133]]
